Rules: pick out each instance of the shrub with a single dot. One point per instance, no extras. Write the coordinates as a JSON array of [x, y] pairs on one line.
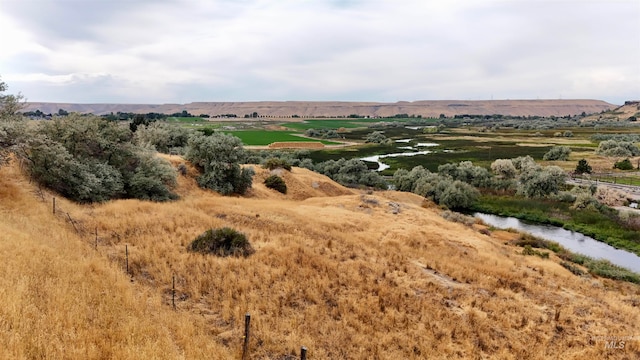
[[583, 167], [528, 250], [557, 153], [623, 165], [89, 159], [618, 148], [276, 163], [458, 195], [277, 183], [222, 242], [377, 137], [504, 168], [217, 157]]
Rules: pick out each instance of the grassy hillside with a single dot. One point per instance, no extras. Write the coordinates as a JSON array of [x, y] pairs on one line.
[[346, 274]]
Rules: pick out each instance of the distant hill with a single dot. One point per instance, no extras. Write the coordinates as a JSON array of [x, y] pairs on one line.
[[425, 108], [629, 110]]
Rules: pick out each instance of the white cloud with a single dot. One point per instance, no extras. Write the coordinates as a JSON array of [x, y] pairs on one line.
[[187, 50]]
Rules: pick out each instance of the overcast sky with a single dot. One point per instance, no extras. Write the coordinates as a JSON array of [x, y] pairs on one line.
[[179, 51]]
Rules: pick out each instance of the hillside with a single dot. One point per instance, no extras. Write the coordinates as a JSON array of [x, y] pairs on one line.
[[620, 113], [286, 109], [345, 273]]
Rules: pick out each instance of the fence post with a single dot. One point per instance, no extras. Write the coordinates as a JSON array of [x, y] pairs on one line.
[[96, 238], [126, 253], [245, 347], [173, 292], [54, 206], [303, 353]]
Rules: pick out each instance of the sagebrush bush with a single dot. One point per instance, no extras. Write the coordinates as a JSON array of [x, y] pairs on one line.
[[276, 163], [277, 183], [222, 242]]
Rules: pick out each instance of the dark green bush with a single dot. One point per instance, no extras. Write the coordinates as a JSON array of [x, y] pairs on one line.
[[277, 183], [276, 163], [623, 165], [222, 242]]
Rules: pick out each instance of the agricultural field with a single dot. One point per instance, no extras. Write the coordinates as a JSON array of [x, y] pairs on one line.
[[266, 137]]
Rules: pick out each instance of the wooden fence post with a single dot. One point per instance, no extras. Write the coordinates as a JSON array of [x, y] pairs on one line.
[[303, 353], [96, 238], [54, 206], [173, 292], [245, 347], [126, 253]]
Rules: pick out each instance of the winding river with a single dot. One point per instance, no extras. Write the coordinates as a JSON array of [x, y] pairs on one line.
[[573, 241]]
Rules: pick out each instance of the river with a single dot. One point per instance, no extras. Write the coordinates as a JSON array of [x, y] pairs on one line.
[[573, 241]]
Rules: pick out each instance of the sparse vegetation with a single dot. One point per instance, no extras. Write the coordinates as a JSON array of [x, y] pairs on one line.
[[276, 163]]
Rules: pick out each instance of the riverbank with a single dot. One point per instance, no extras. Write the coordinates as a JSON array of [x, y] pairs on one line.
[[601, 224]]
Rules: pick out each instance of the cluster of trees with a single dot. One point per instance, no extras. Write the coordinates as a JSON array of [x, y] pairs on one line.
[[377, 137], [89, 159], [456, 185], [352, 172], [616, 148], [322, 133], [12, 129]]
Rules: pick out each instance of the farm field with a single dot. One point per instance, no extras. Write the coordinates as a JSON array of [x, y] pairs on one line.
[[266, 137]]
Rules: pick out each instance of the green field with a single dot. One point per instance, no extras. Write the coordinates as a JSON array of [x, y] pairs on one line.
[[265, 137]]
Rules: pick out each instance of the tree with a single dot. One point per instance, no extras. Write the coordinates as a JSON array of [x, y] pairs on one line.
[[218, 158], [583, 167], [10, 105], [12, 128]]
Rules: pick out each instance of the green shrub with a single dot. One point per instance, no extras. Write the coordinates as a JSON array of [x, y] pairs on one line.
[[623, 165], [222, 242], [277, 183], [276, 163], [218, 158], [583, 167]]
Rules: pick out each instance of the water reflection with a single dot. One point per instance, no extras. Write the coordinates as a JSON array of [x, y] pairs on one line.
[[573, 241]]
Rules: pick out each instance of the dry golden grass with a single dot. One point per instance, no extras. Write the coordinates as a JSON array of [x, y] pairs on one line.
[[341, 272]]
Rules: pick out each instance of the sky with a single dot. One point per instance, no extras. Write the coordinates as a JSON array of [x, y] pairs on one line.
[[181, 51]]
